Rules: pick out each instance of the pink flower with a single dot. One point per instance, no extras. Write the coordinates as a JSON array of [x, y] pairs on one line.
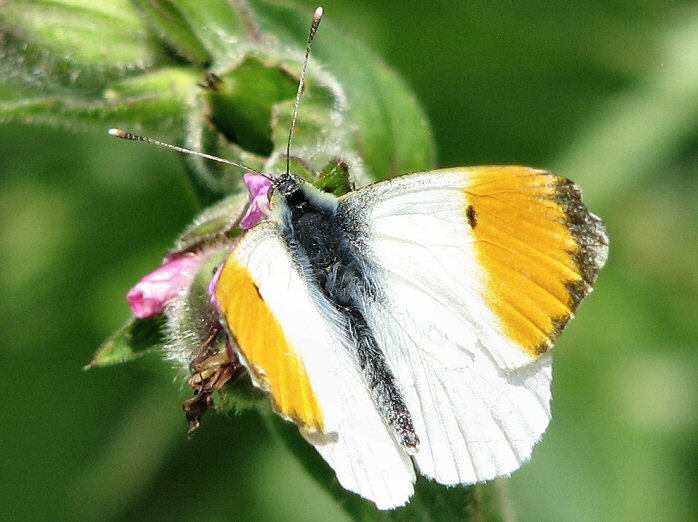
[[149, 296], [259, 208]]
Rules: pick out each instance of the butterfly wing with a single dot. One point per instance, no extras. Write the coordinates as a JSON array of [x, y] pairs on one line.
[[478, 270], [289, 338]]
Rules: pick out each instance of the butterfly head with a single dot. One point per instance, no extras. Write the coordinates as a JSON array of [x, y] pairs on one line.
[[286, 184]]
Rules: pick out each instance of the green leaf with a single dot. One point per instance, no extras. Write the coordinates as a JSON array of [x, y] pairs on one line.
[[334, 178], [134, 339], [155, 100], [211, 180], [244, 115], [74, 42], [215, 224], [172, 27], [217, 26]]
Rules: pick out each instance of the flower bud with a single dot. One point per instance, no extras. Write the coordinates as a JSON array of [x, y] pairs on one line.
[[150, 295]]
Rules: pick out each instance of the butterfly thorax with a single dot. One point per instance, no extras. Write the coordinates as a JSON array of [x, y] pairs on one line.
[[309, 221]]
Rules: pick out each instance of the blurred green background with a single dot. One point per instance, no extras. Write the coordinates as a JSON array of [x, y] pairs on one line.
[[605, 92]]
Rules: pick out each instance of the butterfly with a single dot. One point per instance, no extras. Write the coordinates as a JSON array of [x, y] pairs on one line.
[[406, 326], [408, 323]]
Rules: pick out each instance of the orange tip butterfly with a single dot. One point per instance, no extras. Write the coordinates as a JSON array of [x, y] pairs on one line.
[[405, 327]]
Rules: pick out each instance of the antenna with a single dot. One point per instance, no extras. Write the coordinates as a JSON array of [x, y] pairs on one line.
[[125, 135], [317, 16]]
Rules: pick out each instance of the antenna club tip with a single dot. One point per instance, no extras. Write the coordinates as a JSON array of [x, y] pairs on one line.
[[117, 133], [318, 13]]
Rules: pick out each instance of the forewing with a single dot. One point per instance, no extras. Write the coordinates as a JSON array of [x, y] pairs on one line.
[[477, 270]]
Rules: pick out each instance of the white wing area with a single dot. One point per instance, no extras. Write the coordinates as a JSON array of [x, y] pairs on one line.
[[478, 402], [357, 444], [474, 421]]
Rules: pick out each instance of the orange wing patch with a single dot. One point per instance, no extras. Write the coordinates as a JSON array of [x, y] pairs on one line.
[[540, 247], [265, 347]]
